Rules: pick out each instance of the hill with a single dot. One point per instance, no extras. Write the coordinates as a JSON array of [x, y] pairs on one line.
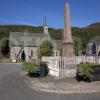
[[54, 33], [81, 36], [94, 25]]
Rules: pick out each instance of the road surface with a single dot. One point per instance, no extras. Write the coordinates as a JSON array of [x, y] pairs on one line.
[[13, 87]]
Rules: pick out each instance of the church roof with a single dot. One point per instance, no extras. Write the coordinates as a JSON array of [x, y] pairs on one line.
[[56, 43], [27, 39], [31, 39]]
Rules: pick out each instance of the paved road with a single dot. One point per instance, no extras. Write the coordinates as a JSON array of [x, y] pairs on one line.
[[12, 87]]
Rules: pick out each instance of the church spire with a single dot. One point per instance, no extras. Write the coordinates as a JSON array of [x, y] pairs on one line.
[[45, 26], [45, 21]]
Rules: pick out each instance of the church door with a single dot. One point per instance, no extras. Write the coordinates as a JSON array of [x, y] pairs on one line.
[[23, 56]]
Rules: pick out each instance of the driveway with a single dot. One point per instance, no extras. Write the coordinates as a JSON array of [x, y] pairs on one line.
[[13, 87]]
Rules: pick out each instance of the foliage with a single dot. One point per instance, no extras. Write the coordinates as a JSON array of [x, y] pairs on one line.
[[95, 25], [87, 71], [34, 68], [45, 49], [30, 67], [77, 45], [4, 43], [83, 34], [55, 33], [83, 70]]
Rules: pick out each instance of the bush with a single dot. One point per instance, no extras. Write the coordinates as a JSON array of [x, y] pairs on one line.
[[30, 67], [5, 47], [36, 68], [83, 71], [45, 49]]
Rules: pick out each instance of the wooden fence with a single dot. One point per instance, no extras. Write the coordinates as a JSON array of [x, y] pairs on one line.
[[66, 67]]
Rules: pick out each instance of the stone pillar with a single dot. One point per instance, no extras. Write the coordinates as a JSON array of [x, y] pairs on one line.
[[67, 44]]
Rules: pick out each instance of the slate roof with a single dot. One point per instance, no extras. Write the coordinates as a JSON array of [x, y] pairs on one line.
[[56, 43], [31, 39], [17, 39], [27, 39]]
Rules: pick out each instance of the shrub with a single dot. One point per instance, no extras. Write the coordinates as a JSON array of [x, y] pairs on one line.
[[30, 67], [36, 68], [83, 70], [88, 72], [5, 47], [45, 49]]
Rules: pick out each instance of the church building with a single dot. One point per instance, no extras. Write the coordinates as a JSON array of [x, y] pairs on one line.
[[24, 45]]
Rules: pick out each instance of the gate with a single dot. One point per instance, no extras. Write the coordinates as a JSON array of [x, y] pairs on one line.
[[66, 67]]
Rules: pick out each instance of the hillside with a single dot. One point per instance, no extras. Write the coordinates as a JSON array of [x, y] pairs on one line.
[[54, 33], [9, 28], [81, 36], [95, 26]]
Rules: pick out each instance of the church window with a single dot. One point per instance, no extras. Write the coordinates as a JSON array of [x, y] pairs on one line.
[[31, 53]]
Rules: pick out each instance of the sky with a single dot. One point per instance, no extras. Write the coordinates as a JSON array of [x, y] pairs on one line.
[[33, 12]]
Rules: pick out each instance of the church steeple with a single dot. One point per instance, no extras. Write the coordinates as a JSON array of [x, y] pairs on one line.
[[45, 26], [45, 22]]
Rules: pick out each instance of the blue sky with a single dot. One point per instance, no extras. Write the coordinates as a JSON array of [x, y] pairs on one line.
[[32, 12]]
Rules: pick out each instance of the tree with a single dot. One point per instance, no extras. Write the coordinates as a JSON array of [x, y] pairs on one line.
[[85, 34], [4, 46], [45, 49], [77, 45]]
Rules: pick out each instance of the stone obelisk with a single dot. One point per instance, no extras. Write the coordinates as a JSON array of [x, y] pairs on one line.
[[67, 44]]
